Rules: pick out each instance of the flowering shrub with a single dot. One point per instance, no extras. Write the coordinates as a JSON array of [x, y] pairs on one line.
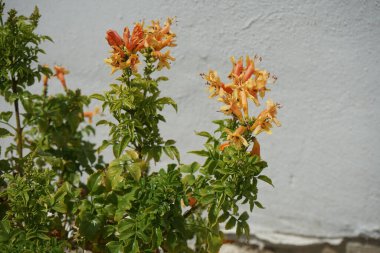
[[123, 206]]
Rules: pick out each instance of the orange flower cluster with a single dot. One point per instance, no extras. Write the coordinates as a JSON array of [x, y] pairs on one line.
[[91, 114], [60, 73], [246, 82], [150, 41]]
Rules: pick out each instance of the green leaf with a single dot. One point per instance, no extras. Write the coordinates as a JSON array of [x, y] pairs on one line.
[[5, 116], [231, 223], [115, 247], [194, 167], [207, 199], [104, 145], [176, 153], [259, 205], [135, 170], [189, 179], [199, 152], [168, 151], [204, 134], [244, 216], [98, 97], [94, 181], [265, 179], [167, 101], [185, 168], [5, 228], [102, 122], [159, 236], [162, 78], [135, 247], [214, 242], [5, 133], [223, 217], [169, 142], [212, 215], [60, 207]]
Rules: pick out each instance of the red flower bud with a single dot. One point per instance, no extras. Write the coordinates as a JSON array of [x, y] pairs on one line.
[[113, 38]]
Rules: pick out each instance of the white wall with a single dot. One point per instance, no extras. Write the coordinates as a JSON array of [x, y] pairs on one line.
[[326, 54]]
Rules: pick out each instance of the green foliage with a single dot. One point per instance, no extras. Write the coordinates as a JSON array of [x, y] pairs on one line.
[[19, 46], [40, 191], [123, 206], [30, 223]]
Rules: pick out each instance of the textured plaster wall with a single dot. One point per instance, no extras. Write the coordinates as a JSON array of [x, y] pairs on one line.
[[325, 159]]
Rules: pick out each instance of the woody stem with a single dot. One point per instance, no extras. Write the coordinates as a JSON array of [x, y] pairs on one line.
[[18, 124]]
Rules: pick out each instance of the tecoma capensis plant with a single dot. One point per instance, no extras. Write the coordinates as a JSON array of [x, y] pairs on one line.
[[127, 204]]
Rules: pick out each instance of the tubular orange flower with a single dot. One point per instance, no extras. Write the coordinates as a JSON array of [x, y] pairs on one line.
[[243, 102], [113, 38], [263, 122], [216, 87], [237, 67], [249, 70], [231, 107], [256, 147], [224, 145], [163, 59], [60, 73], [135, 42], [91, 114], [157, 37], [236, 137], [261, 79]]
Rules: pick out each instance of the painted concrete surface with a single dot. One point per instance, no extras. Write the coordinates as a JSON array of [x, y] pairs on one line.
[[324, 160]]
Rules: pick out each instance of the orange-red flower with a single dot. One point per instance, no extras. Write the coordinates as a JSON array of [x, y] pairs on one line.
[[135, 42], [163, 59], [236, 137], [224, 145], [231, 107], [256, 147], [91, 114], [60, 73], [263, 122], [113, 38]]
